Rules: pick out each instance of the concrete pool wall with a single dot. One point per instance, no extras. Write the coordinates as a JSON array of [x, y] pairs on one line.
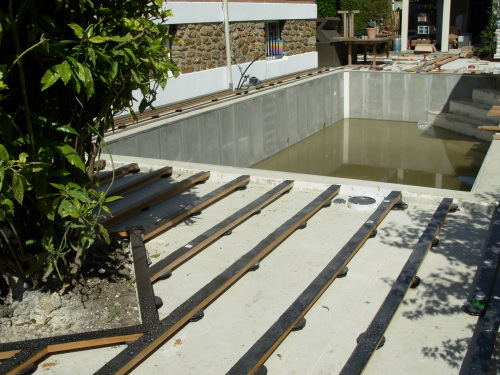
[[249, 129], [246, 130]]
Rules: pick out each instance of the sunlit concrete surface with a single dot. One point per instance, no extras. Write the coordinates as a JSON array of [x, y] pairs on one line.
[[428, 334]]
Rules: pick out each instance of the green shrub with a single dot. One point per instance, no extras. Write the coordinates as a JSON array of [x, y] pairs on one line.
[[66, 69]]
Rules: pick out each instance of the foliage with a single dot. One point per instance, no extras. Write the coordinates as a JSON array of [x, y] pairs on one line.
[[369, 9], [327, 8], [488, 35], [66, 69]]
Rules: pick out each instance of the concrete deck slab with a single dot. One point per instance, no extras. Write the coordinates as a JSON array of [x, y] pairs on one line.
[[429, 333]]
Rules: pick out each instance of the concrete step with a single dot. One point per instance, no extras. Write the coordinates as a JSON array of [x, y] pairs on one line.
[[474, 110], [460, 124], [487, 96]]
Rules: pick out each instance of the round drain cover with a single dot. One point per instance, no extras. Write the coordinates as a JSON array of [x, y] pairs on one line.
[[362, 203]]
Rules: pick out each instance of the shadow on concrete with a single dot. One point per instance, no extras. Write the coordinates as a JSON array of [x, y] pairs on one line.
[[463, 238], [451, 351]]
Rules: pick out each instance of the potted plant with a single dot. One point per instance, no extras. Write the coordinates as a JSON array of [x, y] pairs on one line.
[[371, 29]]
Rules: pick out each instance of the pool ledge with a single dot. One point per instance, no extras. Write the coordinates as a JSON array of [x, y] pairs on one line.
[[488, 180], [483, 198]]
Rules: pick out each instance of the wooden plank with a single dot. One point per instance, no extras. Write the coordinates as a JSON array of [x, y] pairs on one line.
[[119, 172], [373, 335], [141, 348], [494, 111], [140, 181], [8, 354], [177, 188], [176, 217], [20, 354], [432, 64], [194, 246], [270, 340], [485, 127]]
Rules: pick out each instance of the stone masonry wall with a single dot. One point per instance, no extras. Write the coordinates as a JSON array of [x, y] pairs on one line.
[[203, 46]]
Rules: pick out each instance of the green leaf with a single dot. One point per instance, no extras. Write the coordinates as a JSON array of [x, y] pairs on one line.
[[113, 198], [18, 187], [112, 314], [114, 69], [131, 54], [71, 155], [104, 233], [67, 208], [80, 71], [67, 129], [88, 81], [4, 154], [23, 157], [50, 77], [99, 39], [2, 177], [6, 205], [64, 70], [80, 195], [48, 271], [104, 11], [58, 186], [79, 32]]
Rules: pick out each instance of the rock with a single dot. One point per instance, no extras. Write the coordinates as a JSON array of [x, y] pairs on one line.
[[47, 304]]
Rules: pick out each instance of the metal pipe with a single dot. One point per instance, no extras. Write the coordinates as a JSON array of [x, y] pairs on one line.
[[228, 46]]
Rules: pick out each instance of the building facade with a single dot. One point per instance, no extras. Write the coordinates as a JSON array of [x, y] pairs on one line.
[[219, 43]]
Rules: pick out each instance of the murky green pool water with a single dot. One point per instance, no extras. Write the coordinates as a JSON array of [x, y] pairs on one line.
[[388, 151]]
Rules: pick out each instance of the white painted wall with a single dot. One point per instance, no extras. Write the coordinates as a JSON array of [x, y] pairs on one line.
[[210, 12], [192, 85]]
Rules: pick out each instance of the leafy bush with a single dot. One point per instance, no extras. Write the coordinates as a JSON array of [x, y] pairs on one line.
[[369, 9], [66, 69], [327, 8], [488, 35]]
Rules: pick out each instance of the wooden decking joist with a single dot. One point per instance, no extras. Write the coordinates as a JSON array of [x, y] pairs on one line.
[[176, 188], [272, 338], [181, 214], [106, 177], [141, 348], [136, 183], [181, 255], [372, 337]]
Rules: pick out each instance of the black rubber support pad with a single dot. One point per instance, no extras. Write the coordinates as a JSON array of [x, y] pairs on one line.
[[105, 177], [176, 217], [32, 350], [375, 332], [264, 347], [150, 200], [140, 181], [480, 349], [139, 349], [179, 256]]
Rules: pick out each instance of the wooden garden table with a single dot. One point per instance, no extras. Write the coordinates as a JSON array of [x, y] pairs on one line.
[[350, 41]]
